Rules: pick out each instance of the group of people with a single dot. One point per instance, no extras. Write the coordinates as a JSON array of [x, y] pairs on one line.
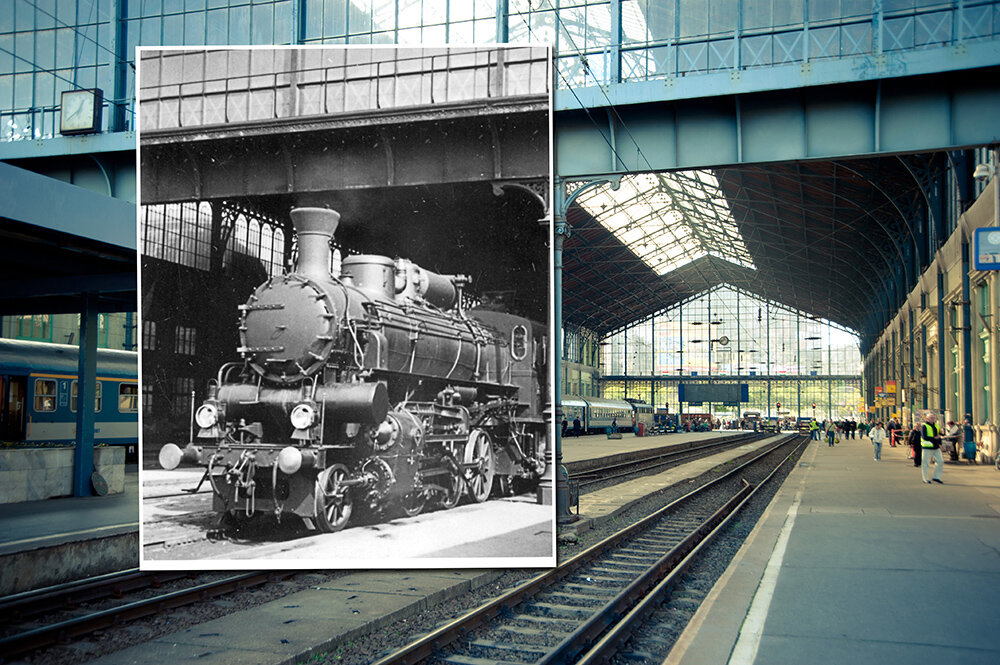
[[849, 428], [577, 429], [927, 441]]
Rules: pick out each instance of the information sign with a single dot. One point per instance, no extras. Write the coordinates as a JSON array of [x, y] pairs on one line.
[[986, 248]]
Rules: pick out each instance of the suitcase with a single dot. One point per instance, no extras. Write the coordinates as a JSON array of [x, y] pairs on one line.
[[969, 451]]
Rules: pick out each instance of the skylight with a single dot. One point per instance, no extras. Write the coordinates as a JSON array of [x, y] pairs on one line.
[[669, 219]]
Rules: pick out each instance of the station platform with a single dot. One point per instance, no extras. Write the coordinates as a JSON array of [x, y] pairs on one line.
[[68, 538], [580, 453], [858, 561], [294, 628]]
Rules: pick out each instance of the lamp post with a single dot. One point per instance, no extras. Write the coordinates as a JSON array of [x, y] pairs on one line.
[[984, 172]]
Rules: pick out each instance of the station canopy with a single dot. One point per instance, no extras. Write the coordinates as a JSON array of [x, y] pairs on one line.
[[824, 237]]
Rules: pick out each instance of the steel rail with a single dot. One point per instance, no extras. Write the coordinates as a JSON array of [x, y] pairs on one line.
[[613, 639], [51, 598], [427, 646], [48, 635], [608, 616]]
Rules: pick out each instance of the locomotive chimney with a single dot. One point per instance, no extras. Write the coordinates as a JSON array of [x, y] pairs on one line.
[[314, 227]]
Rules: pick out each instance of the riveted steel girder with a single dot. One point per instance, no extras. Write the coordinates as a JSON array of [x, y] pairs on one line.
[[906, 114], [507, 141]]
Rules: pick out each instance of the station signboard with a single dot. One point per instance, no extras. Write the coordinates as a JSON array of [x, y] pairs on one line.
[[986, 248]]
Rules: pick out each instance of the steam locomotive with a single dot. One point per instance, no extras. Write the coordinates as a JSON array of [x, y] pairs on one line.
[[374, 390]]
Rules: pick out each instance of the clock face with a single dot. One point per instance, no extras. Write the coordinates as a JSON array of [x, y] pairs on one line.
[[78, 112], [993, 237]]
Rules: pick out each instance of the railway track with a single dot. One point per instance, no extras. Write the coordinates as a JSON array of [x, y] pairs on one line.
[[584, 610], [20, 614], [610, 473]]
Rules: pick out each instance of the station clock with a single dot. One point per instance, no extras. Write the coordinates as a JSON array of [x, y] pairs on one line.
[[81, 111]]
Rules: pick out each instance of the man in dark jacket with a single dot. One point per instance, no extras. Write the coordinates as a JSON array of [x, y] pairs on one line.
[[913, 441]]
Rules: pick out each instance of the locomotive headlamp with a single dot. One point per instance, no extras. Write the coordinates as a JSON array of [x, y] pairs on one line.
[[289, 460], [303, 416], [206, 416]]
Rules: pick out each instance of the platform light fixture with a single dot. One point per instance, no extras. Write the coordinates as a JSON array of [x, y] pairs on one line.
[[983, 172]]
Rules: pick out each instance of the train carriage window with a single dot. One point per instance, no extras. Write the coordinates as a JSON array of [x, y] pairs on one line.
[[73, 393], [128, 398], [45, 395], [519, 342]]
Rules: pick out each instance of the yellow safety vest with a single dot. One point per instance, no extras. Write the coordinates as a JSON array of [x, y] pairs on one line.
[[925, 433]]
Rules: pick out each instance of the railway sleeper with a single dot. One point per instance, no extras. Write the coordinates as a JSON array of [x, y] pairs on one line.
[[610, 583], [533, 635], [623, 562], [530, 652], [552, 623], [641, 553], [558, 611], [460, 659], [618, 573], [575, 599], [590, 589]]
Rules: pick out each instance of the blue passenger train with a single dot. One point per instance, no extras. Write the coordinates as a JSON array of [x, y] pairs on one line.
[[596, 413], [38, 395]]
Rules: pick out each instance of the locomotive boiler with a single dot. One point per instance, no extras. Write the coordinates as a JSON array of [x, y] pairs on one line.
[[373, 389]]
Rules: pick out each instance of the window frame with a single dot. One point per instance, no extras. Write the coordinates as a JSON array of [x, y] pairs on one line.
[[36, 395]]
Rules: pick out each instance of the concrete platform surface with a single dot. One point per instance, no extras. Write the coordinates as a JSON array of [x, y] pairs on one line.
[[32, 524], [596, 446], [599, 506], [860, 562]]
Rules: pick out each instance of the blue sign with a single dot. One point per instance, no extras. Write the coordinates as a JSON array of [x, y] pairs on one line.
[[986, 248]]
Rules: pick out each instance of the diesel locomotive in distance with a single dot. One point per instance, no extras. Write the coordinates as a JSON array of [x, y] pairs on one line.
[[374, 389]]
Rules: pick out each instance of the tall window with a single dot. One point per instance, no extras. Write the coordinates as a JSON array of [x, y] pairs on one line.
[[35, 326], [983, 307], [45, 395], [149, 335], [184, 342], [74, 391], [181, 396]]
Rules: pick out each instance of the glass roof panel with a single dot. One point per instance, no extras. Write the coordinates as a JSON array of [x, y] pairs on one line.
[[669, 219]]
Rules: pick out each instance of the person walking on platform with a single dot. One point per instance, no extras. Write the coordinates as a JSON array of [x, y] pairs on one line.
[[930, 441], [814, 430], [878, 436], [576, 427], [831, 432], [953, 434], [614, 426], [891, 431], [913, 441], [565, 428]]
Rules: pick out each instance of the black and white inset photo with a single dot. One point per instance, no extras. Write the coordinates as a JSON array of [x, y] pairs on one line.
[[345, 287]]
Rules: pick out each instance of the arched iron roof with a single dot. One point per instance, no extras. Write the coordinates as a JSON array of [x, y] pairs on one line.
[[843, 240]]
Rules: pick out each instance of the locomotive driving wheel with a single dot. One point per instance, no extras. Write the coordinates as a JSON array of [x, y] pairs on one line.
[[479, 478], [412, 503], [333, 499]]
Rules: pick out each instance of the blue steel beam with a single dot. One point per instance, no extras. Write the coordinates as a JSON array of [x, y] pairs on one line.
[[829, 71], [911, 114], [57, 206], [68, 285]]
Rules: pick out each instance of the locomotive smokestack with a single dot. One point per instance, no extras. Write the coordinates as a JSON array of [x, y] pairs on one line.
[[314, 227]]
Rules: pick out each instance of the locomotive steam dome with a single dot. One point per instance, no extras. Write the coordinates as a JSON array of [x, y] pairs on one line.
[[291, 322]]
